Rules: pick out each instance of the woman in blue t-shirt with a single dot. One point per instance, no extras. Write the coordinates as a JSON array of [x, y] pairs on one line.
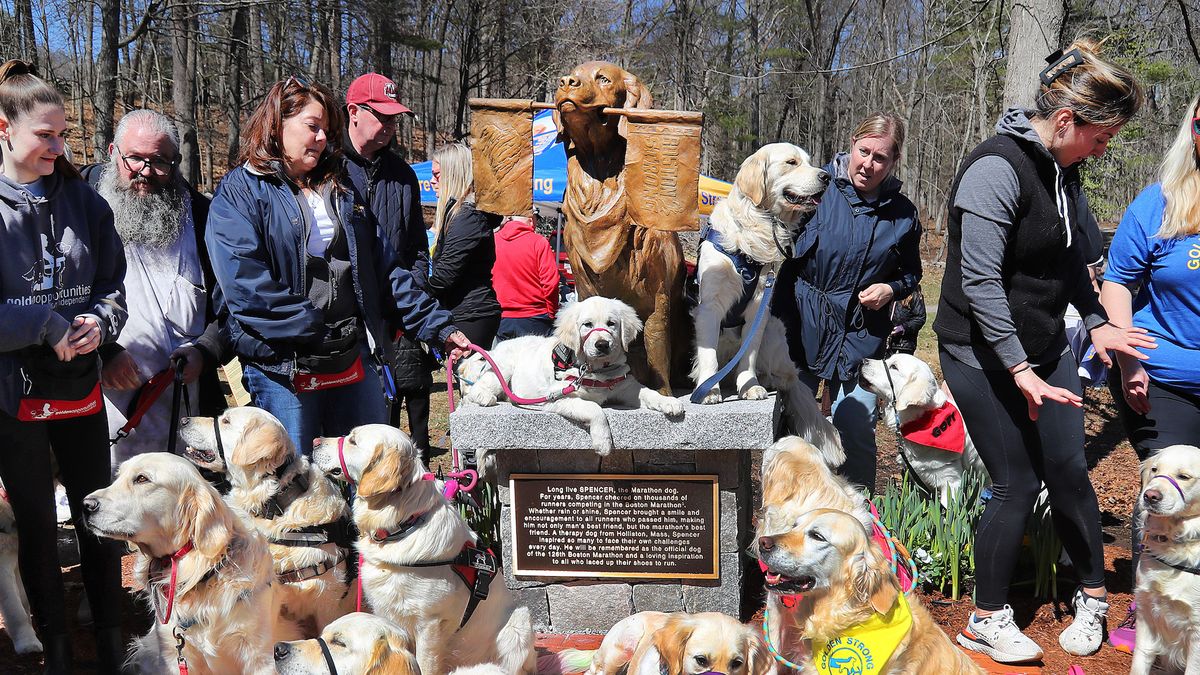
[[1153, 282]]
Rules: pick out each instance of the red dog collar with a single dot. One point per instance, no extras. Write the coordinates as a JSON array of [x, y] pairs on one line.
[[941, 428]]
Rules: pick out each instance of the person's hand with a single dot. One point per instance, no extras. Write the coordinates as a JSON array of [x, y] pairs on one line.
[[875, 296], [120, 373], [1107, 337], [1135, 384], [63, 349], [1037, 391], [84, 335], [193, 362], [457, 345]]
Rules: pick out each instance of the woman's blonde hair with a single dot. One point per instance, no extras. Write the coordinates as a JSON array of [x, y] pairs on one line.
[[456, 184], [882, 125], [1180, 177], [1096, 91]]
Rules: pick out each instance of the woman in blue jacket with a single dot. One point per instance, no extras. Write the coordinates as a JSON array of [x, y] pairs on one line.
[[860, 252], [304, 279]]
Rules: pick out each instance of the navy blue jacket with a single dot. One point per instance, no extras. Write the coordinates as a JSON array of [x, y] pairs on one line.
[[848, 245], [391, 189], [257, 241]]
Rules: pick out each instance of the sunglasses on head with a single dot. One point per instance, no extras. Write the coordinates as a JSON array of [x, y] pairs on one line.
[[1196, 126]]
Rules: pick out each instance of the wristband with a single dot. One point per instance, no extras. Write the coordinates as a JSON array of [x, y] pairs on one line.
[[1021, 370]]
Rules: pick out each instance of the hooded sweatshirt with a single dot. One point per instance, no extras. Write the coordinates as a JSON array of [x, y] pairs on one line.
[[60, 257], [990, 208], [526, 273]]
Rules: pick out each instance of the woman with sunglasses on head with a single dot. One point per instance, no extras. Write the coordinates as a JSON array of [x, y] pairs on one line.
[[305, 282], [1017, 257], [61, 297], [1153, 282]]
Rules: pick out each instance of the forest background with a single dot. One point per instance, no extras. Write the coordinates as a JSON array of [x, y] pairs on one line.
[[803, 71]]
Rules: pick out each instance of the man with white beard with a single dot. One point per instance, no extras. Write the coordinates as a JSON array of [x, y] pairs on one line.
[[169, 282]]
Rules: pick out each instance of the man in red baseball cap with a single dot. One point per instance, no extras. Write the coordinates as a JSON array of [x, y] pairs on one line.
[[389, 185]]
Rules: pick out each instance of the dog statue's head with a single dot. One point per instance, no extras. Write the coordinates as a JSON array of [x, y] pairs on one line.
[[710, 642], [781, 178], [357, 643], [912, 383], [1171, 482], [379, 458], [599, 330], [581, 95]]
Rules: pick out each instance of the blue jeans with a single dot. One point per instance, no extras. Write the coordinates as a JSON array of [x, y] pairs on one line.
[[855, 412], [541, 325], [329, 412]]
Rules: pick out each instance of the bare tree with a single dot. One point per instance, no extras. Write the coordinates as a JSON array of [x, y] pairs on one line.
[[1035, 30]]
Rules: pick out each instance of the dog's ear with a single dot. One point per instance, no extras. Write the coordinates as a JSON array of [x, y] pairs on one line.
[[873, 581], [382, 473], [915, 392], [637, 95], [566, 326], [751, 178], [202, 512], [261, 440], [671, 641], [390, 657], [631, 325], [758, 659]]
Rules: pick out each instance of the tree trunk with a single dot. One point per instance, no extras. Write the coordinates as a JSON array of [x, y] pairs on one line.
[[106, 75], [183, 91], [1035, 30], [233, 87]]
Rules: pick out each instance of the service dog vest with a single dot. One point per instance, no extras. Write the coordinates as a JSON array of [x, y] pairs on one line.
[[866, 648]]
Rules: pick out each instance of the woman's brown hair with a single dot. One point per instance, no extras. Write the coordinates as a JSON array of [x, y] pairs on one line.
[[1098, 92], [21, 90], [262, 138]]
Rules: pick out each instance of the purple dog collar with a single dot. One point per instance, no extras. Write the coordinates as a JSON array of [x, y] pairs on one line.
[[1173, 483]]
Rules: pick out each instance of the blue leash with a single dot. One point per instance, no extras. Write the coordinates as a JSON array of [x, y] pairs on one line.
[[707, 385]]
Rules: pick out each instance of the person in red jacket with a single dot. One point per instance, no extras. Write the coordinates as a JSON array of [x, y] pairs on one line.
[[525, 277]]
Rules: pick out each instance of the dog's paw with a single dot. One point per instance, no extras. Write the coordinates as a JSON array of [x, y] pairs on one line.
[[28, 645], [671, 407], [485, 398], [755, 393], [602, 444], [713, 396]]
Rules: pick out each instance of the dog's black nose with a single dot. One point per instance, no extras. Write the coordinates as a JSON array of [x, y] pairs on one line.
[[1152, 496], [282, 650], [766, 543], [184, 421], [603, 346], [824, 176], [568, 82], [91, 505], [318, 441]]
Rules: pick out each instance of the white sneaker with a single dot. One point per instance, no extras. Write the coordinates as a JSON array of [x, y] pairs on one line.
[[999, 638], [1086, 633], [62, 507]]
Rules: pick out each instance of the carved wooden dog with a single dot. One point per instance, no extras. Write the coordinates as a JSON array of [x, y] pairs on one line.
[[613, 255]]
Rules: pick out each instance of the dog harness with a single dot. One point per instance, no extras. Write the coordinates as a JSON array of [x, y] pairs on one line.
[[862, 649], [475, 566], [747, 268], [165, 616], [568, 368], [940, 428]]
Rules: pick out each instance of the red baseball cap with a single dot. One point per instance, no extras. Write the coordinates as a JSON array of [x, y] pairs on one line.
[[377, 92]]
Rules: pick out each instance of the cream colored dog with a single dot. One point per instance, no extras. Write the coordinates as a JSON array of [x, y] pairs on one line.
[[1168, 597], [840, 579], [586, 358], [654, 643], [358, 643], [222, 601], [14, 605], [410, 537], [289, 500]]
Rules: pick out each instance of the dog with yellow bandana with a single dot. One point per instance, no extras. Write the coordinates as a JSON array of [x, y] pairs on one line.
[[844, 611]]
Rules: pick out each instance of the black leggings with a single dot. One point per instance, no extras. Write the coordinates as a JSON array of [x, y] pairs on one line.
[[81, 447], [1020, 455], [417, 403]]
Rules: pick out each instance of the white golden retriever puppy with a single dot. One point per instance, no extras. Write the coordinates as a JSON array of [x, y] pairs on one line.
[[913, 401], [299, 510], [357, 644], [14, 605], [420, 561], [585, 358], [223, 598], [1168, 574]]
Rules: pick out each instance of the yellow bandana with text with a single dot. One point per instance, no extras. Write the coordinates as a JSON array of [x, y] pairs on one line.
[[864, 649]]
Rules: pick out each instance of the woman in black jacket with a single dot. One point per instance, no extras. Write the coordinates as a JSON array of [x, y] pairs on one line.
[[458, 271]]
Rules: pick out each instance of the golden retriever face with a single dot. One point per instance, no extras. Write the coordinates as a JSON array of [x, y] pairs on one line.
[[360, 644], [590, 87], [598, 329], [914, 383], [781, 178], [1171, 482], [380, 459], [160, 502], [710, 642], [249, 437], [828, 552]]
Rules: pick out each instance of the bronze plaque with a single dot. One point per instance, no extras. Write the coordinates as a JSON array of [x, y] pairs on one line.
[[615, 525], [662, 162]]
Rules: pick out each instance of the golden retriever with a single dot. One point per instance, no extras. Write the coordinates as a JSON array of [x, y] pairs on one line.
[[1168, 598], [845, 580], [405, 521], [655, 643], [587, 352], [298, 509], [358, 644], [14, 605], [912, 392], [610, 254], [223, 600]]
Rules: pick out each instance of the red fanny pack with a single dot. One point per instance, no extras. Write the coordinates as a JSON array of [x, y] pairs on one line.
[[941, 428], [59, 390], [32, 409], [306, 382]]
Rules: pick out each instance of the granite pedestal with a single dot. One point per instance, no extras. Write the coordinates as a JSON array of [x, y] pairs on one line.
[[712, 439]]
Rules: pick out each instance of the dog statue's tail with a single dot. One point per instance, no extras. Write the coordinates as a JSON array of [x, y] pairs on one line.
[[566, 662], [799, 415]]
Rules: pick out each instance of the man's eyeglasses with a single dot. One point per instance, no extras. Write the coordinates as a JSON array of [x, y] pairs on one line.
[[1196, 126], [385, 120], [158, 165]]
